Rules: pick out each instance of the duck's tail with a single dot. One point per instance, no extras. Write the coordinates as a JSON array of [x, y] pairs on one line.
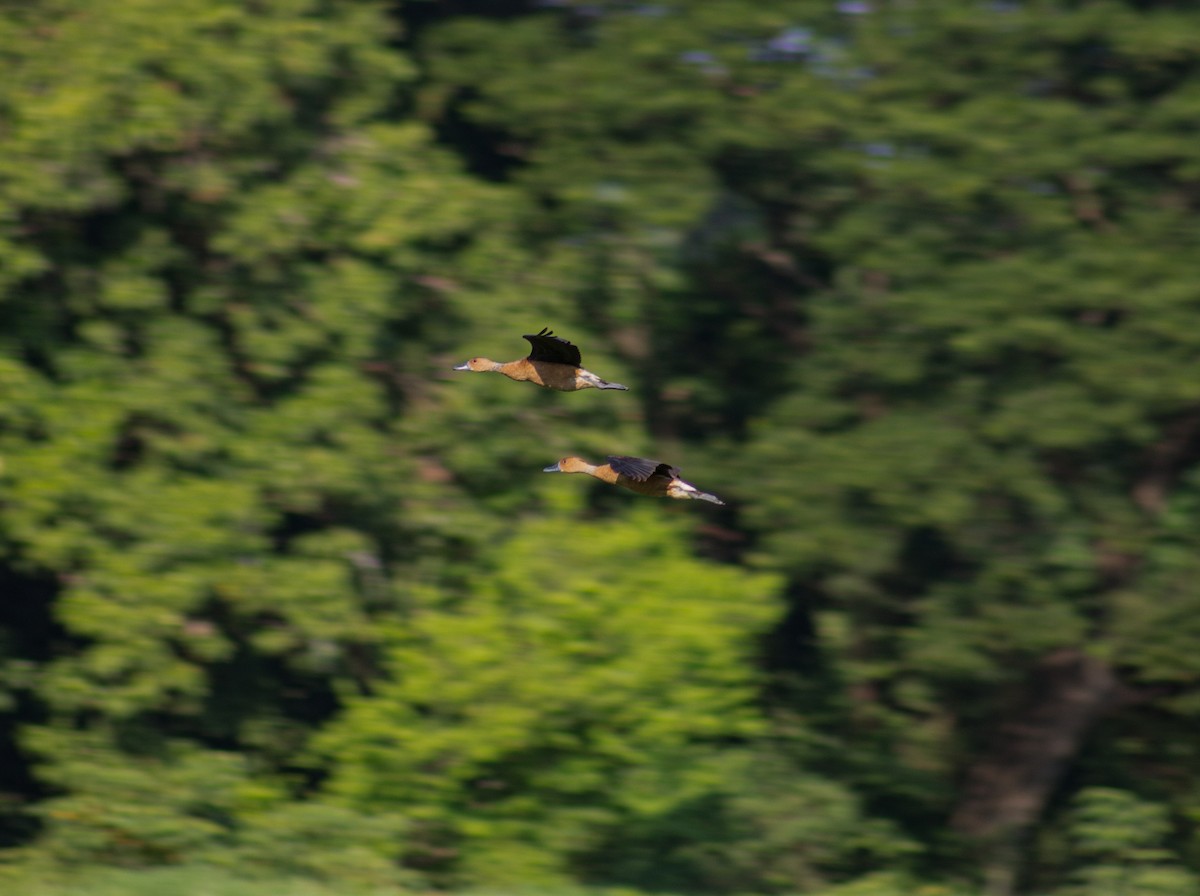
[[588, 377], [687, 491]]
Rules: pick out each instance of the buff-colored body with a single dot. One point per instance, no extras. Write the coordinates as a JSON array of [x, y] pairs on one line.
[[646, 477], [560, 377], [553, 363]]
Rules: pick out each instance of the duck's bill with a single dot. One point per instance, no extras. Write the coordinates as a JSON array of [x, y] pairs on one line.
[[465, 365], [553, 468]]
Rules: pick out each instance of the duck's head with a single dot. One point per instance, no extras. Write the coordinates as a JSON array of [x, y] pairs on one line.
[[478, 365], [569, 465]]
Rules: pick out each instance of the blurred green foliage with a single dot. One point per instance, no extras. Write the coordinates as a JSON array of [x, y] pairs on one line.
[[910, 284], [579, 691]]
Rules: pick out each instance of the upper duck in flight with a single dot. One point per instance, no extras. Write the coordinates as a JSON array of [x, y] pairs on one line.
[[553, 362], [638, 474]]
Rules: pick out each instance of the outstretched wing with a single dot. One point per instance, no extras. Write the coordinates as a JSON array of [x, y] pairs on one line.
[[640, 469], [548, 347]]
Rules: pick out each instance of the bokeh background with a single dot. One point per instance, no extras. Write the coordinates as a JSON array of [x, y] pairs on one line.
[[286, 605]]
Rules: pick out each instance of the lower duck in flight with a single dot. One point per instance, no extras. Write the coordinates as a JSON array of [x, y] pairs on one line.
[[553, 362], [638, 474]]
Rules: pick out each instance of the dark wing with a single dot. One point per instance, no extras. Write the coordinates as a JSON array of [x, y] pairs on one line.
[[639, 469], [548, 347]]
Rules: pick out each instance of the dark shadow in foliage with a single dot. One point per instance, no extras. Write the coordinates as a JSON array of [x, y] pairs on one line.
[[28, 635], [842, 739], [308, 699], [732, 335], [74, 250], [646, 854], [774, 829], [479, 146], [791, 649], [926, 557]]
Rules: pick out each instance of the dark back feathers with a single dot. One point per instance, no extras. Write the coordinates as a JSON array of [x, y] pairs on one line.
[[640, 469], [555, 349]]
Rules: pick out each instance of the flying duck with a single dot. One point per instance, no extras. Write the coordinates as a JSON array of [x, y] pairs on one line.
[[553, 362], [638, 474]]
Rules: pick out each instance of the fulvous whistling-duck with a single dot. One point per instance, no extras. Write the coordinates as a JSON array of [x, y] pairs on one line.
[[646, 477], [553, 362]]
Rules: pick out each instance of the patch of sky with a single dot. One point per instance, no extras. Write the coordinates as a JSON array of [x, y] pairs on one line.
[[829, 60], [789, 45], [794, 41], [703, 60], [879, 153]]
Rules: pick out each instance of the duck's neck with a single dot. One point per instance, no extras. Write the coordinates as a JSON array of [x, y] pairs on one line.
[[582, 466], [604, 473], [514, 370]]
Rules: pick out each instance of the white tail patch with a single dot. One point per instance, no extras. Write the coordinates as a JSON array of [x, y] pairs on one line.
[[588, 377], [681, 489]]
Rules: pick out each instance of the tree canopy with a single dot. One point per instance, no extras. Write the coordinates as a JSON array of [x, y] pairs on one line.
[[910, 285]]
